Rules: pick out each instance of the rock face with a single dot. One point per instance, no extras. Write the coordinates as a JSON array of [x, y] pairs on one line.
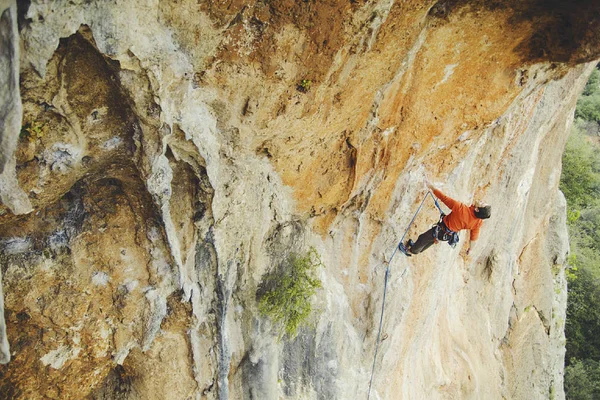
[[172, 153]]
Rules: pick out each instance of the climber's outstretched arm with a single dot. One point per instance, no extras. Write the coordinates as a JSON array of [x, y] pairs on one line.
[[448, 201]]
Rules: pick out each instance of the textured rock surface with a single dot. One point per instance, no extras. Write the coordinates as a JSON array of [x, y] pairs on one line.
[[10, 117], [177, 158]]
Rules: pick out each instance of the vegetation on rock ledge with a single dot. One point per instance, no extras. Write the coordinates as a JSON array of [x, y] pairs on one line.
[[33, 131], [289, 290]]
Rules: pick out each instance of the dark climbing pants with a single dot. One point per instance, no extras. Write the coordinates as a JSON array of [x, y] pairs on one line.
[[425, 241]]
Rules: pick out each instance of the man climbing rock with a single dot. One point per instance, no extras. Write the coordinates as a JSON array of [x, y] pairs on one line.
[[461, 217]]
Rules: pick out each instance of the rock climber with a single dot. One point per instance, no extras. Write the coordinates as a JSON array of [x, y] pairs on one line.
[[461, 217]]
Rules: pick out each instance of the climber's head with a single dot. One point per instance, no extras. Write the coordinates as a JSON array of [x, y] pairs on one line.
[[482, 210]]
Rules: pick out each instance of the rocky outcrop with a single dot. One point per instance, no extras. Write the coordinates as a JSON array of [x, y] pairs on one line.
[[173, 154]]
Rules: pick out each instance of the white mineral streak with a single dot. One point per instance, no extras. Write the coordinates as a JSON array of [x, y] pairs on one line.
[[57, 358], [10, 126], [10, 109], [100, 279], [4, 345]]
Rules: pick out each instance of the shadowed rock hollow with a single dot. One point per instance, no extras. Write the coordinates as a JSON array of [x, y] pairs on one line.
[[159, 159]]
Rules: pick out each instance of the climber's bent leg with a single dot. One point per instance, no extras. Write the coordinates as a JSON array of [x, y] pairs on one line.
[[423, 242]]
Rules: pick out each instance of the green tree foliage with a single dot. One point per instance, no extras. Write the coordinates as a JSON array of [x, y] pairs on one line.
[[289, 291], [582, 328], [588, 108], [580, 182], [592, 84], [588, 104], [582, 380]]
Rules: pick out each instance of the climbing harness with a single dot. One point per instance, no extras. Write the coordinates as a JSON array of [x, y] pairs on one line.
[[385, 282], [445, 234]]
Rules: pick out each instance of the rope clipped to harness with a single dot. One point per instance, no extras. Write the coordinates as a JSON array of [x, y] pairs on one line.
[[385, 282]]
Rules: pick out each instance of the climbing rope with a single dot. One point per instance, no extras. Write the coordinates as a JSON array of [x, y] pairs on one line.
[[385, 282]]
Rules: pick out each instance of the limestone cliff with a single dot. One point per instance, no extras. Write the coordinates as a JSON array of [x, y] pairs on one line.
[[159, 158]]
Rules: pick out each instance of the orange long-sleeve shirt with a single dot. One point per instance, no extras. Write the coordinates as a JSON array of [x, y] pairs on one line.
[[461, 217]]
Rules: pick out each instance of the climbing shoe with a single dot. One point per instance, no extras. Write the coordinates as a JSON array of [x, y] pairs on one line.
[[403, 249]]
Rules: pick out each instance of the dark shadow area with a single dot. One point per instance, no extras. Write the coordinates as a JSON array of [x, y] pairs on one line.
[[116, 386], [22, 8], [563, 31]]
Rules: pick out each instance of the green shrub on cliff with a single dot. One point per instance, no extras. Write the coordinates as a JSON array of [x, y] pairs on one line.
[[289, 291], [33, 131]]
